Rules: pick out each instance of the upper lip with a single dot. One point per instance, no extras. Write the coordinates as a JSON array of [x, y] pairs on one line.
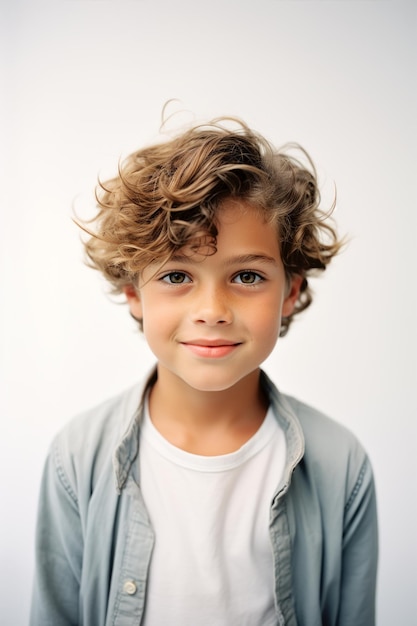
[[211, 342]]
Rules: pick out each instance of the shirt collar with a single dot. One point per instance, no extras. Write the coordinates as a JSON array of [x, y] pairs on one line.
[[128, 448]]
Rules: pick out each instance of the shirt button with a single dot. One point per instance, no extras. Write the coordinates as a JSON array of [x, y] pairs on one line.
[[129, 587]]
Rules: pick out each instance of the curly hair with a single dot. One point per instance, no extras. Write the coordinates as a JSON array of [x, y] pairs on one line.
[[168, 195]]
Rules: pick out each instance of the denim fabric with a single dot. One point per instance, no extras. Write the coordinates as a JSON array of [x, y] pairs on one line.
[[94, 539]]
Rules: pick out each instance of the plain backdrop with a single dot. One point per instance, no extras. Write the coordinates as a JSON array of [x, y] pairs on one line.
[[83, 83]]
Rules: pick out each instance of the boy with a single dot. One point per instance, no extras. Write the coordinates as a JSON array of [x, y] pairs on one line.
[[205, 496]]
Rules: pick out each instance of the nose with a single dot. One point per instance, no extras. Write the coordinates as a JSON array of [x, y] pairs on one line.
[[211, 306]]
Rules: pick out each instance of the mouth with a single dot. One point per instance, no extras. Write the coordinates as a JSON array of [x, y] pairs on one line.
[[215, 348]]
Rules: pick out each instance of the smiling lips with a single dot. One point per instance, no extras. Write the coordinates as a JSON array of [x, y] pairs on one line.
[[214, 349]]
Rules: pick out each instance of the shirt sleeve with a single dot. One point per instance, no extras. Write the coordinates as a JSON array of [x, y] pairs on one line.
[[359, 553], [59, 547]]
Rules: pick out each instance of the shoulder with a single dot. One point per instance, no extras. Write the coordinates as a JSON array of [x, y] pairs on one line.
[[322, 454], [327, 442], [324, 436], [334, 460], [318, 437], [105, 421], [85, 446], [100, 424]]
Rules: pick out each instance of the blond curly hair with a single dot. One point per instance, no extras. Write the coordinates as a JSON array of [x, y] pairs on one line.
[[168, 195]]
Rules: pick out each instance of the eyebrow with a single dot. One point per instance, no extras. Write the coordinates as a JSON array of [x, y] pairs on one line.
[[241, 259]]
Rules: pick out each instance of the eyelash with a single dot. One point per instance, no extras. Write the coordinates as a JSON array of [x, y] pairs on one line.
[[258, 278], [166, 278], [256, 275]]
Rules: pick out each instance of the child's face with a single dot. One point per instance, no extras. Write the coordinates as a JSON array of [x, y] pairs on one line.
[[212, 320]]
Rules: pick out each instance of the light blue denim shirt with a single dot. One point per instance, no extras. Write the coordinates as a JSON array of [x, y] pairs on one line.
[[94, 539]]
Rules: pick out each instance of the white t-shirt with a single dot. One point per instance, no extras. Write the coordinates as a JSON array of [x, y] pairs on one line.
[[212, 563]]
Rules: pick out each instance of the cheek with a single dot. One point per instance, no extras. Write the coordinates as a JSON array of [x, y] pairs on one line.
[[266, 322], [157, 321]]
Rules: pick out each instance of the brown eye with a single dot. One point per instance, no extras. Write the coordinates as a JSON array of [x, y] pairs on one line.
[[248, 278], [176, 278]]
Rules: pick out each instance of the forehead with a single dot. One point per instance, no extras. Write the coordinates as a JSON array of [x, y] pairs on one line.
[[243, 230], [231, 210], [248, 222]]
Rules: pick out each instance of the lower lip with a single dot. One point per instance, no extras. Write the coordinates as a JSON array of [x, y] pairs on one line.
[[211, 352]]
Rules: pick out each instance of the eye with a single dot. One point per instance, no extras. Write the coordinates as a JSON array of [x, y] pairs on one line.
[[248, 278], [176, 278]]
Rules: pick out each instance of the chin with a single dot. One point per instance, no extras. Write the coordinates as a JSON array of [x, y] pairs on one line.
[[213, 384]]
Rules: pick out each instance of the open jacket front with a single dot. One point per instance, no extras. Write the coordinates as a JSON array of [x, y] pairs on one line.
[[94, 538]]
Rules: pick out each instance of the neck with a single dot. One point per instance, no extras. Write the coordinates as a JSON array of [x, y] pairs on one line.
[[191, 418]]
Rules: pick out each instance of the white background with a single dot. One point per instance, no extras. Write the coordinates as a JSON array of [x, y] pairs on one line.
[[84, 83]]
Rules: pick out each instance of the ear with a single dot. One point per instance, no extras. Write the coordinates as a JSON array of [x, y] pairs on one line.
[[134, 302], [293, 291]]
